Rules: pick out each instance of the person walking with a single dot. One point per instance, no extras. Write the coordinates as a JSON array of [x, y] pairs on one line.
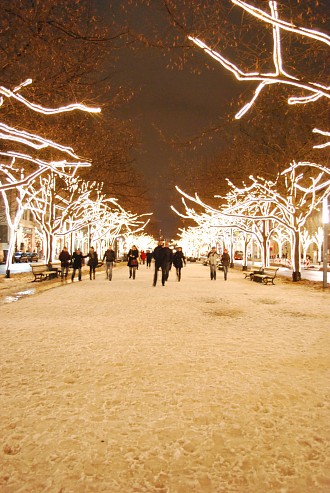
[[77, 262], [64, 258], [149, 258], [92, 262], [178, 261], [159, 256], [109, 257], [168, 254], [213, 257], [225, 260], [133, 261], [143, 257]]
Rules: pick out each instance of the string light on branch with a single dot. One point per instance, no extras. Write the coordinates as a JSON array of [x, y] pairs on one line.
[[41, 109], [21, 170], [321, 132], [315, 90]]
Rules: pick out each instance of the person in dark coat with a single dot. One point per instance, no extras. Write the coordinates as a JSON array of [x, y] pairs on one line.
[[160, 262], [225, 260], [133, 261], [64, 258], [178, 261], [77, 262], [149, 258], [168, 254], [92, 262], [109, 257]]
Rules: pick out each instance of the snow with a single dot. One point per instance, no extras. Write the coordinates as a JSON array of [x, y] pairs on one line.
[[195, 387]]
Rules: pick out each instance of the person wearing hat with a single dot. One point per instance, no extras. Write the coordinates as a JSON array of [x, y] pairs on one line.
[[213, 261]]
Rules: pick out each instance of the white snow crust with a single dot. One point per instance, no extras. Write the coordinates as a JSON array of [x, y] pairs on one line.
[[199, 386]]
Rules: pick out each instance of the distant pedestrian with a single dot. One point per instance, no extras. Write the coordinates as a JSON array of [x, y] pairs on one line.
[[133, 261], [92, 262], [178, 261], [109, 257], [168, 254], [213, 257], [77, 262], [143, 257], [149, 258], [64, 258], [225, 260], [160, 262]]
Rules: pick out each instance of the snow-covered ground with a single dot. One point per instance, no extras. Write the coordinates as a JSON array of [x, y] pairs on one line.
[[196, 387]]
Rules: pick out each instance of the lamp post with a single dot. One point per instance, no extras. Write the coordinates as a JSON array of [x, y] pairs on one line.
[[325, 220]]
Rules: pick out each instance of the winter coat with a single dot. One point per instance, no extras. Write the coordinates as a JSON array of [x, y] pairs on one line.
[[213, 258], [149, 256], [159, 256], [92, 259], [109, 256], [168, 255], [178, 259], [133, 256], [77, 260], [64, 258], [225, 259]]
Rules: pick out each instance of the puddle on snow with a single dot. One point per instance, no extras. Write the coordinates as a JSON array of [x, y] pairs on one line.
[[19, 295]]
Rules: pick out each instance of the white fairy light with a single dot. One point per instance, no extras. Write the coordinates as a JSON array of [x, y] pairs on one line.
[[15, 167], [41, 109], [36, 142], [316, 90], [259, 209], [321, 132]]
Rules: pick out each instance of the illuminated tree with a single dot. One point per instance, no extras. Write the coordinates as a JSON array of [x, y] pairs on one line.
[[306, 240], [61, 205], [281, 236], [197, 241], [71, 52], [318, 238], [111, 222], [18, 170], [302, 189], [313, 90]]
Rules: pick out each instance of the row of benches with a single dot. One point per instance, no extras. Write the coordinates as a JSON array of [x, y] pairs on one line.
[[262, 274]]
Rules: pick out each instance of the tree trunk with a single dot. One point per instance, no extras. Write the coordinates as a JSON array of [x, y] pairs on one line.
[[296, 262]]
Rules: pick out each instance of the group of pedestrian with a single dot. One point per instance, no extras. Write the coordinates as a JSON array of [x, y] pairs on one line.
[[163, 256], [214, 259], [76, 261], [164, 259]]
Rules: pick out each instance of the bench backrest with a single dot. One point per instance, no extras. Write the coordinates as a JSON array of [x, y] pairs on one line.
[[38, 268], [270, 271]]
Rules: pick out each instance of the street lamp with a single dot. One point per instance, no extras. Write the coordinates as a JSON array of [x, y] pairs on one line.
[[325, 220]]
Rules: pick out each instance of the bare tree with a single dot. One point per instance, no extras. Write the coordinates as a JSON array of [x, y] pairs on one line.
[[312, 90]]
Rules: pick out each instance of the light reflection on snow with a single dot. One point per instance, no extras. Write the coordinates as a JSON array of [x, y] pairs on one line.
[[19, 295]]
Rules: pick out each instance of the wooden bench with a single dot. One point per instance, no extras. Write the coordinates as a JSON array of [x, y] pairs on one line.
[[43, 272], [251, 272], [268, 275]]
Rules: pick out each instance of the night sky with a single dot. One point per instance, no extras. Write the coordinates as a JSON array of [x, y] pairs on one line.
[[176, 103], [180, 105]]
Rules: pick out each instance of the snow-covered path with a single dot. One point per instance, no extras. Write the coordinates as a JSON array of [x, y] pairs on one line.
[[195, 387]]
